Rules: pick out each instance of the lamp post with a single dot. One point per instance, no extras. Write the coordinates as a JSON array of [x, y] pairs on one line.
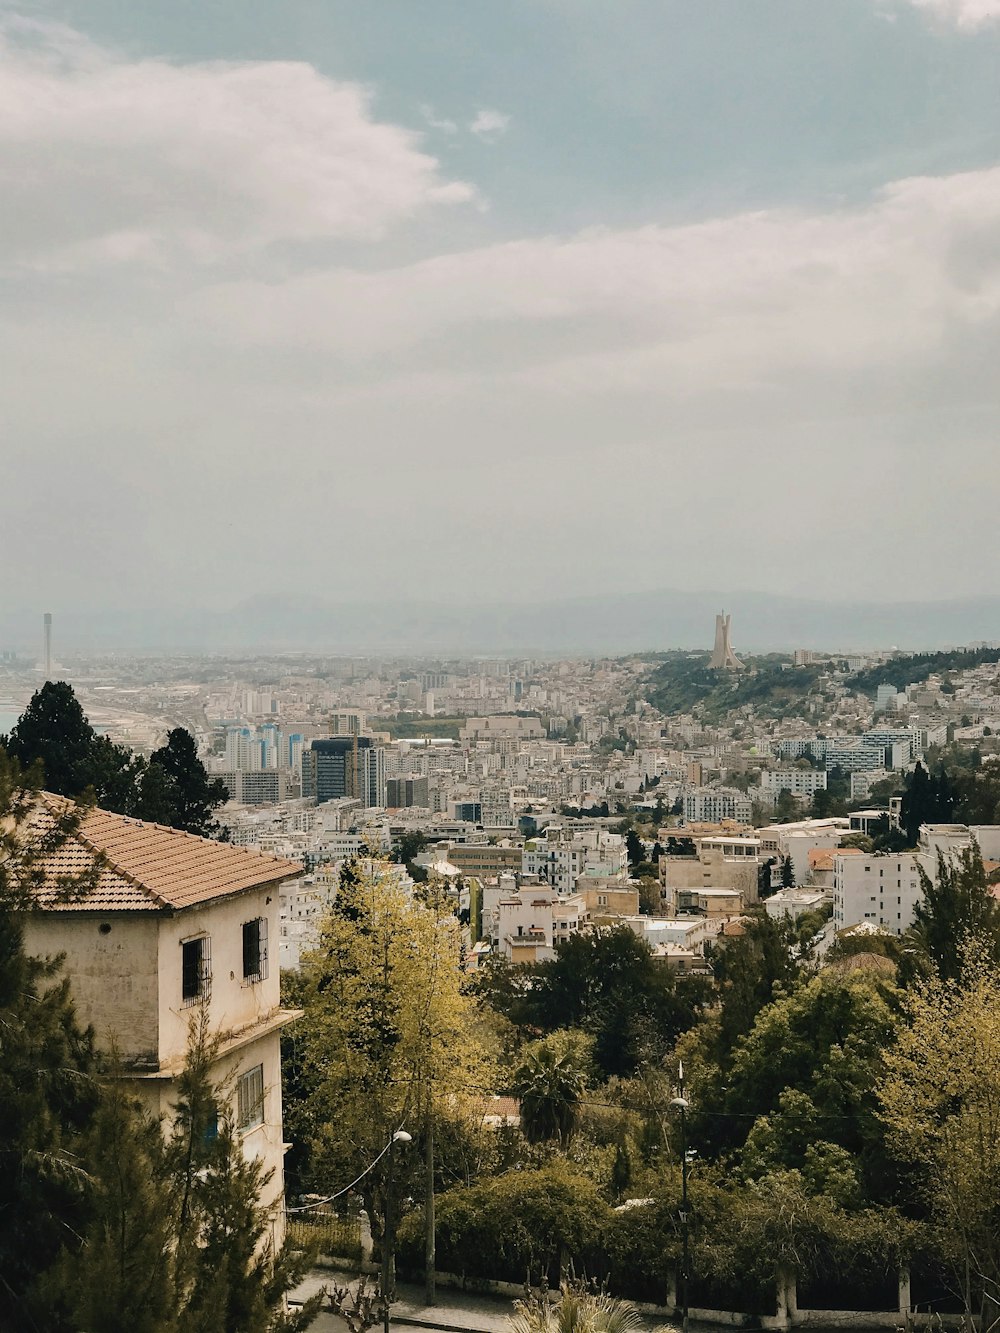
[[681, 1103], [389, 1231]]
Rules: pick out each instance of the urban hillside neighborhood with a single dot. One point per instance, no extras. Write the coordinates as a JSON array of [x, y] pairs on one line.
[[680, 970]]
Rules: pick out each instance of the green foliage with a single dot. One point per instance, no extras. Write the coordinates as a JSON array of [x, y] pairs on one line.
[[184, 793], [927, 799], [172, 789], [749, 972], [48, 1091], [121, 1279], [912, 668], [684, 682], [608, 983], [517, 1223], [957, 904], [579, 1309], [549, 1083]]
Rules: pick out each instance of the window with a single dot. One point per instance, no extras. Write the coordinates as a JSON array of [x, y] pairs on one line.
[[255, 950], [196, 969], [250, 1098]]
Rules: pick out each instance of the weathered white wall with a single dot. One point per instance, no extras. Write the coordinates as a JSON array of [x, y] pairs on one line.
[[114, 975]]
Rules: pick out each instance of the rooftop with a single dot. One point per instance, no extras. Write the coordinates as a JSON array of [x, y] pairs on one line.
[[148, 867]]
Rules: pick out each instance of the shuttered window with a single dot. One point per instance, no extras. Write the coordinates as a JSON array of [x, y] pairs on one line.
[[250, 1098]]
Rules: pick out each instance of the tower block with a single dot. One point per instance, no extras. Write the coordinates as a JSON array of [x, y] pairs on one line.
[[723, 657]]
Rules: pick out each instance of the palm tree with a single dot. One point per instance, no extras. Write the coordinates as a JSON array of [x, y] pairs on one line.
[[550, 1087]]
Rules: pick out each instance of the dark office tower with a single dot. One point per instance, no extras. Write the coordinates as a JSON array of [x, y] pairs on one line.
[[47, 623], [401, 793], [344, 766]]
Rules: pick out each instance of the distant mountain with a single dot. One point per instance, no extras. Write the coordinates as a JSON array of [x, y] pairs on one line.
[[631, 622]]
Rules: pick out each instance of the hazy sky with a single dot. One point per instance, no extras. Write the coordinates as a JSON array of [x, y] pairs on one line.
[[498, 300]]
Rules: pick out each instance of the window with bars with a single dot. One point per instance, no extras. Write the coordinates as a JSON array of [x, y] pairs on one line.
[[196, 969], [250, 1098], [254, 950]]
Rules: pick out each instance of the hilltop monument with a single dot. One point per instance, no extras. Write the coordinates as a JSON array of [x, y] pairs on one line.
[[723, 657]]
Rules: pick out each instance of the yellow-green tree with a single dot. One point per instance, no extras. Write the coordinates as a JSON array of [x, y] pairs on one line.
[[941, 1103], [386, 1034]]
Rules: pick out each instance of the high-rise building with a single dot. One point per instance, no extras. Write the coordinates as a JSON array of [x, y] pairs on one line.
[[344, 766], [401, 793]]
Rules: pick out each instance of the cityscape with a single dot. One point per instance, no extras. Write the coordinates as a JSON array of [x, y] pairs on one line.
[[499, 666]]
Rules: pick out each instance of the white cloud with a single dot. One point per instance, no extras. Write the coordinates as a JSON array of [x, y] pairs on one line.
[[963, 13], [752, 300], [436, 122], [489, 125], [119, 159]]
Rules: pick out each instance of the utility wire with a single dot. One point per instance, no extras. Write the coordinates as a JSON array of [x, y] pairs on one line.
[[318, 1203]]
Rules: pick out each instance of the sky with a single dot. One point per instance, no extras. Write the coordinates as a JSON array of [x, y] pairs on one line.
[[471, 301]]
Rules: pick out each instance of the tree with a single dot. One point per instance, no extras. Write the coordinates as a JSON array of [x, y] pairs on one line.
[[121, 1278], [957, 903], [48, 1091], [940, 1099], [787, 873], [53, 730], [635, 847], [550, 1086], [386, 1031], [749, 972], [193, 795], [227, 1277], [786, 807], [608, 983]]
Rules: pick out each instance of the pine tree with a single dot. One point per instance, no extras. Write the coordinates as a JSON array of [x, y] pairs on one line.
[[193, 794], [227, 1277], [787, 873], [121, 1279], [54, 730], [48, 1092], [957, 904]]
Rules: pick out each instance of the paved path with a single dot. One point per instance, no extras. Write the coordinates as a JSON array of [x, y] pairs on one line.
[[454, 1311]]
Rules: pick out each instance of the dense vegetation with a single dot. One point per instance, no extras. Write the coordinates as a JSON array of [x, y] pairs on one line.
[[912, 668], [684, 681], [804, 1152], [171, 787]]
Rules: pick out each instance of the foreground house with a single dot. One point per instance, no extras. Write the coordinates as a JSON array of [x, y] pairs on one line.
[[171, 923]]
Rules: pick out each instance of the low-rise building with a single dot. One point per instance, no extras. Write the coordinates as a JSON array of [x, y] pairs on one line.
[[172, 925]]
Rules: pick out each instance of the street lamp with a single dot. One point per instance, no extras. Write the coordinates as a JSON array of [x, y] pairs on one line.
[[389, 1232], [682, 1104]]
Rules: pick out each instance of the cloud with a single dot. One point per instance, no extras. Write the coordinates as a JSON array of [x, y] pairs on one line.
[[968, 14], [751, 301], [437, 122], [489, 125], [115, 159]]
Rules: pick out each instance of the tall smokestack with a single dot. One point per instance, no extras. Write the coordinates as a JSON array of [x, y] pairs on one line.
[[47, 622]]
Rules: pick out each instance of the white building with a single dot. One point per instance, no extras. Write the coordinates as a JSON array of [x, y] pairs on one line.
[[559, 857], [711, 805], [174, 922], [532, 920], [801, 782]]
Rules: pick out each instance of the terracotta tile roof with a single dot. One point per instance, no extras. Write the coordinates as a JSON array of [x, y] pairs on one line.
[[148, 867]]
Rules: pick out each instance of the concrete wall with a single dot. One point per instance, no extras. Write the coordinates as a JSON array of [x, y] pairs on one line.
[[233, 1004], [111, 961]]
